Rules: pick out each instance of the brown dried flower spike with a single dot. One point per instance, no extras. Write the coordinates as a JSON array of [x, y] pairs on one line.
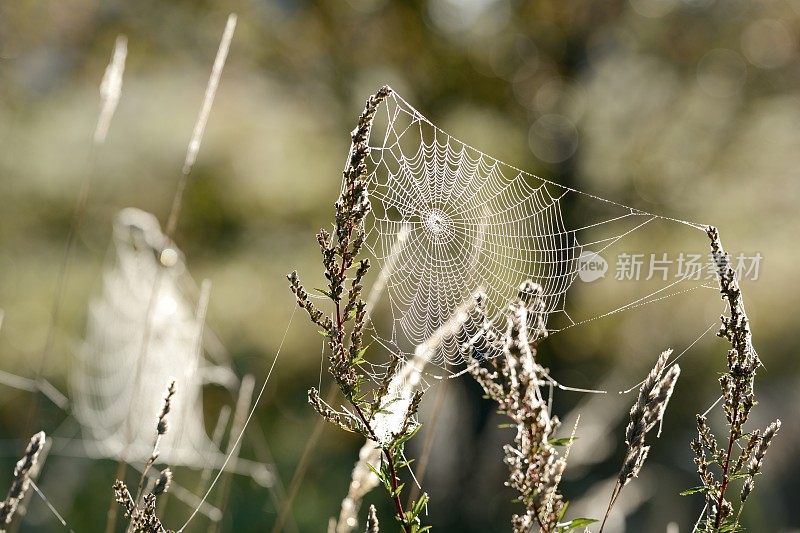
[[512, 378], [738, 400], [344, 327], [141, 510], [649, 409]]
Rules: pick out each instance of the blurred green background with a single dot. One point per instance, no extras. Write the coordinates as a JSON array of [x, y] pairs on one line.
[[687, 108]]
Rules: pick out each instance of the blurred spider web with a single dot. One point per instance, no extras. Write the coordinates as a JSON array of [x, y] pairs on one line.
[[143, 331]]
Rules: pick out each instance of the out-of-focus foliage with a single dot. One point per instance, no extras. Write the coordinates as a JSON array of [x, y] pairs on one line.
[[689, 108]]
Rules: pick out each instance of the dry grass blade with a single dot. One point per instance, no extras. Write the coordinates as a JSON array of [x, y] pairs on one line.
[[110, 90]]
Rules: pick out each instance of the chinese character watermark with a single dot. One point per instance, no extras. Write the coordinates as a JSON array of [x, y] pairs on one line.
[[663, 266]]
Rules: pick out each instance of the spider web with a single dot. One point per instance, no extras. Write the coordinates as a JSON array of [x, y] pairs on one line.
[[120, 374], [449, 220]]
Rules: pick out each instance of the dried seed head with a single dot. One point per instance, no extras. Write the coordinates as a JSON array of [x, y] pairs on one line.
[[506, 369], [372, 520], [633, 463], [754, 467], [163, 482], [647, 403], [123, 497], [21, 481], [747, 489], [651, 404], [161, 426], [661, 396], [343, 420]]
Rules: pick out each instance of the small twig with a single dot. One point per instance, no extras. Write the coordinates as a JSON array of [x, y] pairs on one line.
[[21, 480], [172, 220]]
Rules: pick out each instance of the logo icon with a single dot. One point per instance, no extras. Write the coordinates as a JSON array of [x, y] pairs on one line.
[[591, 266]]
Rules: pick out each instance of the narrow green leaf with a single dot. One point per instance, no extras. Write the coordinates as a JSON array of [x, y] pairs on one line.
[[694, 490], [575, 523], [324, 292], [566, 441]]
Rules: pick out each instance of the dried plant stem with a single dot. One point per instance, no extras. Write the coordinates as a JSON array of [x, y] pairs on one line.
[[202, 120], [110, 89], [172, 220], [211, 91], [738, 395], [50, 506], [22, 480], [161, 430], [33, 476], [726, 469], [398, 504], [340, 251], [141, 509]]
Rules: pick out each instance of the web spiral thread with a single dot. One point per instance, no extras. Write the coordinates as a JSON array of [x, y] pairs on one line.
[[448, 220]]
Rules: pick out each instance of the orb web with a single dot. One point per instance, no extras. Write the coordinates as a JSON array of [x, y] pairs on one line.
[[448, 220]]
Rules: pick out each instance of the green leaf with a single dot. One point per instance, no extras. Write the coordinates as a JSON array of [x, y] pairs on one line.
[[324, 292], [379, 474], [566, 441], [563, 512], [730, 526], [694, 490], [418, 506], [408, 436], [404, 464], [359, 357], [575, 523]]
